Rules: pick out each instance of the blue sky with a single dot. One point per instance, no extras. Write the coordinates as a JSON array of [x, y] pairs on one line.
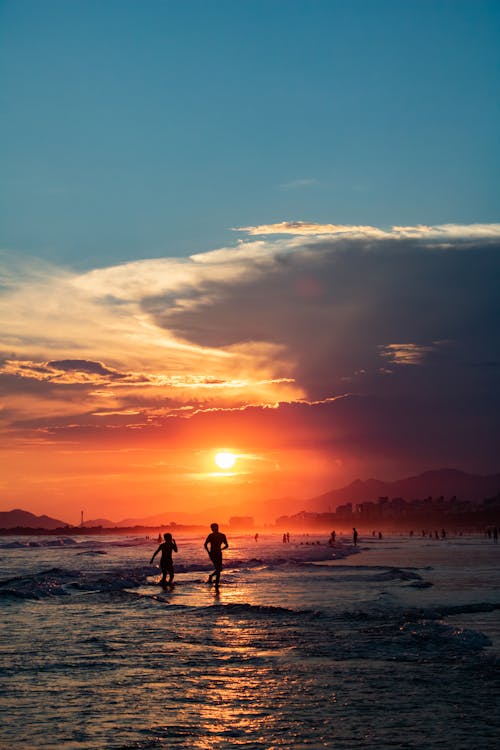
[[146, 129]]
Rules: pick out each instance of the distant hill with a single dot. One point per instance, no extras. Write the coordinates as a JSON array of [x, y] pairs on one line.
[[10, 519], [446, 482], [164, 519]]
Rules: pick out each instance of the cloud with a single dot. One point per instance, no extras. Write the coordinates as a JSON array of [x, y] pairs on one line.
[[304, 182], [304, 228], [409, 354], [406, 317], [445, 232], [68, 372], [82, 365]]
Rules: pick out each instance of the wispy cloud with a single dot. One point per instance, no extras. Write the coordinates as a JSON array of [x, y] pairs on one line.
[[445, 232], [304, 228], [409, 354], [298, 184]]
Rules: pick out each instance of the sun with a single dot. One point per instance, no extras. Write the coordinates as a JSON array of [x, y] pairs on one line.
[[225, 460]]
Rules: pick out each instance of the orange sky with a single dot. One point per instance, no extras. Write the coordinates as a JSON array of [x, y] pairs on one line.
[[317, 357]]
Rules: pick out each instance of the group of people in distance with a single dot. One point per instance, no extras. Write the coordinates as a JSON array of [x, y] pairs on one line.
[[215, 542]]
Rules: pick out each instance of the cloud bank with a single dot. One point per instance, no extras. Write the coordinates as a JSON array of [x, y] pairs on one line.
[[404, 318]]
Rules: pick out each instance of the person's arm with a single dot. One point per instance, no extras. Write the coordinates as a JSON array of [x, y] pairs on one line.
[[206, 543], [151, 561], [174, 545], [224, 542]]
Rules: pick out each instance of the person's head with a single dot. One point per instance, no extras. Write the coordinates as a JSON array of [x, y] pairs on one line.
[[167, 537], [214, 526]]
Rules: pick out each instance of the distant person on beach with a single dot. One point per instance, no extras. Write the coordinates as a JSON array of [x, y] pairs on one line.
[[166, 563], [354, 536], [214, 544]]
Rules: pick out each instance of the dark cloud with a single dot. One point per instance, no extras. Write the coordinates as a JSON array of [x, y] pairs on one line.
[[336, 307], [409, 324], [84, 365]]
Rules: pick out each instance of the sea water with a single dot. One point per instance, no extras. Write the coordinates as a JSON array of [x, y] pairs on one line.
[[393, 644]]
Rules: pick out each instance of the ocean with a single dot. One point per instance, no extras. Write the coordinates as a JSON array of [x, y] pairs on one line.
[[393, 644]]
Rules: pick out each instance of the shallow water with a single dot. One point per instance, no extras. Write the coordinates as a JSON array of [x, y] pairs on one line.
[[305, 646]]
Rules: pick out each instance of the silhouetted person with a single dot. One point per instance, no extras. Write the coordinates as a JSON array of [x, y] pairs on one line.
[[380, 535], [256, 537], [288, 537], [333, 536], [214, 544], [354, 536], [495, 535], [166, 562]]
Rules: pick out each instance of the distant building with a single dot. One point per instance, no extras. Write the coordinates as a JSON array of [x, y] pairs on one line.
[[344, 511]]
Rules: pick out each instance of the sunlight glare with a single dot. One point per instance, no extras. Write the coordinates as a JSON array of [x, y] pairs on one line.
[[225, 460]]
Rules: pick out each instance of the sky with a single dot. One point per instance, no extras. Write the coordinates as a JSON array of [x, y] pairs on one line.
[[270, 228]]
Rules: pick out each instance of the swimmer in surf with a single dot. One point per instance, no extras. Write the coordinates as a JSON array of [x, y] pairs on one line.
[[166, 563]]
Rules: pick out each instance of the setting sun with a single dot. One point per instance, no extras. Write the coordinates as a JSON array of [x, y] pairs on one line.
[[225, 460]]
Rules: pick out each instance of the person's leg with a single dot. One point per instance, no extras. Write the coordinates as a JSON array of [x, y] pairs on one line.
[[218, 569], [212, 575], [170, 573], [163, 581]]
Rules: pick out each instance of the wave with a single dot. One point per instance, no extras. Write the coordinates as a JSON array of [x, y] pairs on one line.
[[67, 541], [262, 610], [42, 543], [63, 582]]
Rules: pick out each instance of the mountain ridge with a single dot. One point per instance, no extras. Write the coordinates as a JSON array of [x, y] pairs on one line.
[[10, 519], [434, 483]]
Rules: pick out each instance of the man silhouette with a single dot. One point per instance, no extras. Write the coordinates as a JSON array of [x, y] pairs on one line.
[[214, 544]]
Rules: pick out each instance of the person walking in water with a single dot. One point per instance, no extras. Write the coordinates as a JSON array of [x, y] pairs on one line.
[[166, 563], [214, 544], [354, 536]]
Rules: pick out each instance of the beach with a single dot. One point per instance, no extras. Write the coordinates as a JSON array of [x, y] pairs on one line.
[[394, 643]]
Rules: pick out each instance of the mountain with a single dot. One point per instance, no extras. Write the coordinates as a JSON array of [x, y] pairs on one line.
[[10, 519], [446, 482], [165, 519], [261, 510]]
